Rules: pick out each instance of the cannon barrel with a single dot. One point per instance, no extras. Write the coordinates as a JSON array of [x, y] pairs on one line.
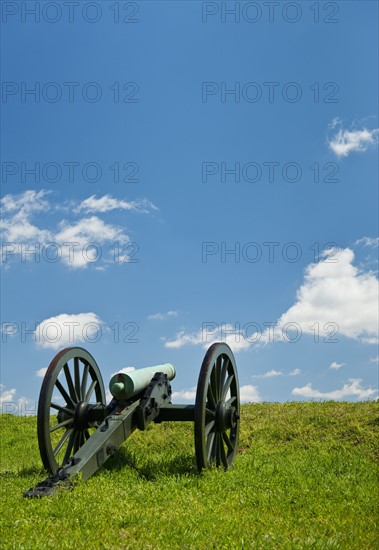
[[125, 385]]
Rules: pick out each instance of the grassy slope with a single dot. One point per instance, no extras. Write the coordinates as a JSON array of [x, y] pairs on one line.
[[305, 477]]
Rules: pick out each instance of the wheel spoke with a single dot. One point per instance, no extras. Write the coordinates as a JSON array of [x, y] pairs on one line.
[[211, 397], [77, 378], [61, 425], [222, 453], [84, 381], [225, 437], [227, 386], [62, 409], [90, 390], [210, 412], [218, 376], [215, 448], [87, 435], [64, 394], [230, 401], [224, 370], [71, 442], [210, 442], [78, 441], [209, 427], [213, 383], [70, 384], [62, 441], [218, 455]]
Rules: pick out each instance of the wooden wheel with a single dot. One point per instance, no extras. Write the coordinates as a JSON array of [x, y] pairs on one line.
[[72, 386], [217, 409]]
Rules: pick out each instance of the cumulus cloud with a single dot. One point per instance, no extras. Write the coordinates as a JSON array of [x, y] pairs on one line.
[[209, 334], [269, 374], [353, 389], [11, 404], [107, 203], [294, 372], [76, 243], [336, 365], [41, 372], [66, 330], [335, 299], [336, 294], [17, 212], [162, 316], [25, 203], [372, 242], [273, 373], [185, 395], [344, 142], [248, 394], [124, 370], [6, 395], [86, 238]]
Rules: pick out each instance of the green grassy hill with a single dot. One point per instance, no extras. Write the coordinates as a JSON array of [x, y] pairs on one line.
[[305, 477]]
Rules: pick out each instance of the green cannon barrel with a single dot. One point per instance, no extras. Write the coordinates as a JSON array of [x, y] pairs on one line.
[[124, 385]]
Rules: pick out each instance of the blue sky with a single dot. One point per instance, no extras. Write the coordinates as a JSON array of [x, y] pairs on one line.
[[199, 176]]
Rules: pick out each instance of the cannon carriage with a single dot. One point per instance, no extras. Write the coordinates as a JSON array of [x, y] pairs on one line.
[[78, 431]]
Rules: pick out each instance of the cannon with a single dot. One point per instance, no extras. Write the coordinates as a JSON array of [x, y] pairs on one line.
[[77, 430]]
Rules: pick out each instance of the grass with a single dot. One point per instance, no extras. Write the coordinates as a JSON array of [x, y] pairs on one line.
[[305, 477]]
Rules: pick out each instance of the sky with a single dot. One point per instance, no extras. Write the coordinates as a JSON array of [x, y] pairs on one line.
[[180, 173]]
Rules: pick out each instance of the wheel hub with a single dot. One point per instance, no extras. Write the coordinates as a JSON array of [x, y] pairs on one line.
[[81, 415], [225, 417]]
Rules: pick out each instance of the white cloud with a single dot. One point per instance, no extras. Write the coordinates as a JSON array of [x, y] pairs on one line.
[[335, 291], [6, 395], [86, 238], [41, 372], [374, 360], [294, 372], [352, 389], [11, 404], [162, 316], [76, 243], [125, 370], [25, 203], [210, 333], [371, 340], [344, 141], [336, 299], [269, 374], [273, 373], [19, 209], [336, 365], [249, 394], [186, 395], [107, 203], [66, 330], [372, 242], [182, 339]]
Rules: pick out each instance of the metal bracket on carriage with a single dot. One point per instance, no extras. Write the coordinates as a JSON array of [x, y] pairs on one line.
[[157, 394]]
